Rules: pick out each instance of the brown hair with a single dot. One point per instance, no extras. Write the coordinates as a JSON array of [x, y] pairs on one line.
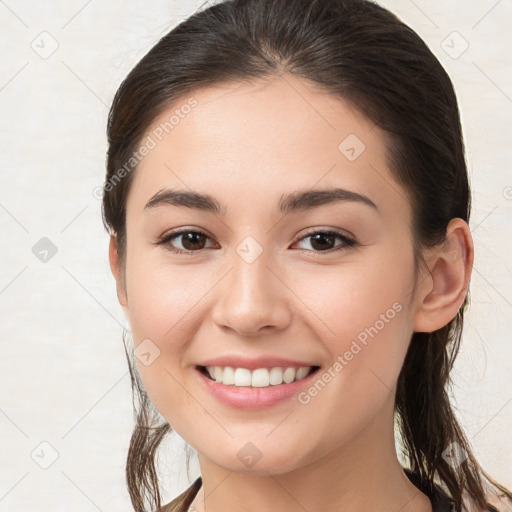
[[363, 53]]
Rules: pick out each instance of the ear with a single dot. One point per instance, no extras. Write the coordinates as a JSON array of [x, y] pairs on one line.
[[443, 288], [117, 271]]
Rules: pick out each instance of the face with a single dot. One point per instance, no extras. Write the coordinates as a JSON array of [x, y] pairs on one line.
[[301, 257]]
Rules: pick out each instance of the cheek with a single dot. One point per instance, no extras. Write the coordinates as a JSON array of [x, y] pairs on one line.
[[161, 297], [165, 311], [365, 322], [369, 322], [349, 299]]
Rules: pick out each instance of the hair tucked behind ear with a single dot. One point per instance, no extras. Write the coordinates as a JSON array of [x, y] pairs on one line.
[[358, 51]]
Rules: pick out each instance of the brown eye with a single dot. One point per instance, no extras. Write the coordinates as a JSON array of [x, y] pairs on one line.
[[193, 240], [324, 241], [190, 241]]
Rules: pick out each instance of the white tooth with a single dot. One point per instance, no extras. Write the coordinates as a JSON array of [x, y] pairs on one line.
[[276, 376], [289, 375], [260, 378], [302, 372], [229, 376], [218, 373], [242, 377]]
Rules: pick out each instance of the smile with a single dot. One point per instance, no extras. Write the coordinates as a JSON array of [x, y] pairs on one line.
[[258, 378]]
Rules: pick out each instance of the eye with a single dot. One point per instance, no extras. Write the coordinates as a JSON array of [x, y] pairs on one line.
[[194, 240], [323, 240], [190, 240]]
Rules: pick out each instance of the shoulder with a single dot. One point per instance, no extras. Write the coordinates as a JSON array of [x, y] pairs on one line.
[[182, 502]]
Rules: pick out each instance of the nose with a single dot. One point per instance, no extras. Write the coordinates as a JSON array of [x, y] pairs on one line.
[[252, 298]]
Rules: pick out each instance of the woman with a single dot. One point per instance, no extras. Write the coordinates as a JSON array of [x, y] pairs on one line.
[[288, 204]]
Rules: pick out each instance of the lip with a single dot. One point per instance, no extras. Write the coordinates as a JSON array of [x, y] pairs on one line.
[[255, 363], [253, 398]]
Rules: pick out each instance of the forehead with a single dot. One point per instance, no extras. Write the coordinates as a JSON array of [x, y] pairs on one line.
[[260, 139]]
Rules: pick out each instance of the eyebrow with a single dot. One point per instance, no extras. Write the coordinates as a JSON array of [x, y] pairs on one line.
[[297, 201]]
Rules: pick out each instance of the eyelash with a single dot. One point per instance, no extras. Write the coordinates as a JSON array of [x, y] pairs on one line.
[[347, 242]]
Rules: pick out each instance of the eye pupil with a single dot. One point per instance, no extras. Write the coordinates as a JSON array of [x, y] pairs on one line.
[[322, 237], [191, 237]]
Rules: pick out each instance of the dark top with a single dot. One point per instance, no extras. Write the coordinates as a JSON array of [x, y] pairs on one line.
[[440, 501]]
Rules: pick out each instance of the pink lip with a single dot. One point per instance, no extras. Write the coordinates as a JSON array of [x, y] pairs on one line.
[[253, 398], [253, 364]]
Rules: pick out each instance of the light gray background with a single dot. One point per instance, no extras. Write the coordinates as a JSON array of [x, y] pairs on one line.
[[64, 374]]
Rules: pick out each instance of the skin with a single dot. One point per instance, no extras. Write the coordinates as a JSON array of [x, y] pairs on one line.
[[247, 145]]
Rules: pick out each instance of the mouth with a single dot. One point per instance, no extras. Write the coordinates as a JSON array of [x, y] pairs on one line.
[[257, 378]]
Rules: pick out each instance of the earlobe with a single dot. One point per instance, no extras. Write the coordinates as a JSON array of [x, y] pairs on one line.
[[116, 271], [442, 291]]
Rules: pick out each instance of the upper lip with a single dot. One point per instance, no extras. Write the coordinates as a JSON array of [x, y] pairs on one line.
[[254, 363]]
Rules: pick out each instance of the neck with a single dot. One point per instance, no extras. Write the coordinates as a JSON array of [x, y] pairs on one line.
[[362, 475]]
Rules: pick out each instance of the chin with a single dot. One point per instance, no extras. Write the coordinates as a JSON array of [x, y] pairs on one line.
[[258, 458]]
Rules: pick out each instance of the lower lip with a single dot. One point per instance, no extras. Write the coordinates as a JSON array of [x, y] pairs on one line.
[[246, 397]]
